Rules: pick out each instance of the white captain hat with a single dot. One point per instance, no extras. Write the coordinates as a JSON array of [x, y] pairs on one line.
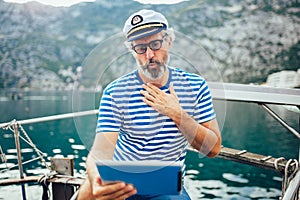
[[144, 23]]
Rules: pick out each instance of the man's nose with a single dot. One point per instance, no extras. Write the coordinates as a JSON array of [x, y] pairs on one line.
[[149, 53]]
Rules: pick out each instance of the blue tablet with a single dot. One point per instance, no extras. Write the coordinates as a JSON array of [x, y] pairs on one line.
[[148, 177]]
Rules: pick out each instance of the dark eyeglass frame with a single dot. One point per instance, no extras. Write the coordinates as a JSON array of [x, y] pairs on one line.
[[151, 45]]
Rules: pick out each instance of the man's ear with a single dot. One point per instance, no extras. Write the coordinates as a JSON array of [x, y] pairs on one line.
[[170, 42]]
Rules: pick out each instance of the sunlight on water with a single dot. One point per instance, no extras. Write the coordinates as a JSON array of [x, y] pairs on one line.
[[5, 165], [192, 172], [10, 174], [71, 140], [234, 178], [275, 178], [56, 156], [56, 150], [11, 157], [215, 189], [25, 150], [72, 156], [82, 164], [8, 135], [78, 147], [33, 192], [37, 171]]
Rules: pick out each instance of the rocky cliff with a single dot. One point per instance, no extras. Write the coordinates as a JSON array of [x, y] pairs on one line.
[[46, 47]]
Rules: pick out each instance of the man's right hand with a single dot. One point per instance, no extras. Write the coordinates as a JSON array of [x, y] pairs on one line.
[[112, 191], [105, 191]]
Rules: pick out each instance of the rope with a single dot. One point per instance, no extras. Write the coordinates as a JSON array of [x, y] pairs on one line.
[[16, 165], [277, 161], [75, 195], [43, 181], [24, 139], [34, 147], [294, 172], [3, 157], [9, 126], [286, 176], [46, 192]]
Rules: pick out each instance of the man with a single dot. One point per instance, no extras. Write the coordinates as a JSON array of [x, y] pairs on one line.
[[152, 113]]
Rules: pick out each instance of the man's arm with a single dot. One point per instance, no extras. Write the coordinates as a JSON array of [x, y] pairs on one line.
[[93, 187], [102, 149], [204, 137]]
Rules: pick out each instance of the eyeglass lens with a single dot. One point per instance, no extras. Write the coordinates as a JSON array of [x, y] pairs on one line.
[[142, 48]]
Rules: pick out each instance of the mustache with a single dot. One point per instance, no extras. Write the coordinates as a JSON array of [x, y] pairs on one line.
[[153, 61]]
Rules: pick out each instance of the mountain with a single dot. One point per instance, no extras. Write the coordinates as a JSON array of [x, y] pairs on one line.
[[44, 47]]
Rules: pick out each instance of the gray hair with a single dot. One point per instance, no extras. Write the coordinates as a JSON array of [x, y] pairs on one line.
[[170, 34]]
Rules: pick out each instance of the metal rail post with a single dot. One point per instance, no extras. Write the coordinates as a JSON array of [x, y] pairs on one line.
[[281, 121], [63, 166], [18, 147]]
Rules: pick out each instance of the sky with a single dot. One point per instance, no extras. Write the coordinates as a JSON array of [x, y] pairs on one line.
[[67, 3]]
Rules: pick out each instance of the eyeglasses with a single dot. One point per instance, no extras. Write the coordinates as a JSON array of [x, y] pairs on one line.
[[153, 45]]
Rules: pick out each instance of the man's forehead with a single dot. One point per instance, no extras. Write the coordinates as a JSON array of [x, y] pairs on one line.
[[148, 38]]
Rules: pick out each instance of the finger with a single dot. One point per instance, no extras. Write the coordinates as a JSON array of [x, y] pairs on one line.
[[108, 189], [98, 180], [127, 195], [128, 191], [171, 89], [148, 88], [150, 103], [147, 95], [155, 92]]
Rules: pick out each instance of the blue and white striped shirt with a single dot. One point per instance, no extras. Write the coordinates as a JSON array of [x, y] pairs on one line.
[[145, 134]]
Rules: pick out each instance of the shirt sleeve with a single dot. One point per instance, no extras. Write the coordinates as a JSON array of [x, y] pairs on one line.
[[204, 108], [109, 117]]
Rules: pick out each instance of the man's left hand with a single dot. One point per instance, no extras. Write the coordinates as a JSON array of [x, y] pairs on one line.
[[166, 104]]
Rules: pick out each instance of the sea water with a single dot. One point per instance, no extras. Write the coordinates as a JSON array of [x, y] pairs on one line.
[[243, 126]]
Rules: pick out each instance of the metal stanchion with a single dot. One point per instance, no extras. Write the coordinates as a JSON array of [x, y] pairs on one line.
[[17, 141]]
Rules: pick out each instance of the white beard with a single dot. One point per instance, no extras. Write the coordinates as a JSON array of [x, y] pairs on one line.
[[156, 73]]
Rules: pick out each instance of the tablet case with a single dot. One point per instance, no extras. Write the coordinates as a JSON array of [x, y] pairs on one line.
[[148, 177]]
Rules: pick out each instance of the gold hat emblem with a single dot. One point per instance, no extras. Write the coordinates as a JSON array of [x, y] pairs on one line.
[[136, 20]]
